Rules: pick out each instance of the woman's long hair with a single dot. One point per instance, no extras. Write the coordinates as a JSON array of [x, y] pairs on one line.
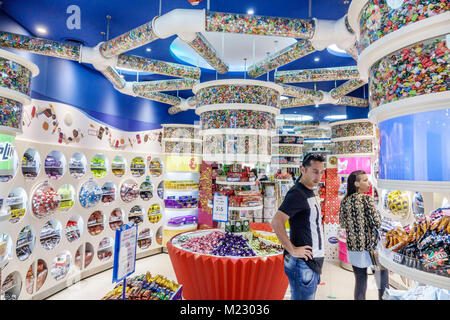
[[352, 178]]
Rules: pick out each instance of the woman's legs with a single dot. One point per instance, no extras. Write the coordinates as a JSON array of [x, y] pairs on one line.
[[360, 282]]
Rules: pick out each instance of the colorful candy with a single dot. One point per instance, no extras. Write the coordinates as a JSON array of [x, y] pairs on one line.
[[182, 147], [163, 85], [299, 92], [353, 129], [296, 102], [346, 87], [419, 69], [244, 119], [202, 46], [10, 113], [293, 52], [181, 132], [353, 101], [14, 76], [90, 194], [353, 146], [248, 94], [157, 66], [39, 46], [377, 19], [128, 41], [287, 150], [236, 144], [320, 74], [45, 201], [260, 25], [161, 97], [113, 76]]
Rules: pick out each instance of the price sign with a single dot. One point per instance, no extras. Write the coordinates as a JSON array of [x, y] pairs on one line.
[[220, 208], [125, 252], [397, 258]]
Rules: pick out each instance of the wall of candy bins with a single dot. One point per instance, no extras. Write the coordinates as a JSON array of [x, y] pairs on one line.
[[60, 223]]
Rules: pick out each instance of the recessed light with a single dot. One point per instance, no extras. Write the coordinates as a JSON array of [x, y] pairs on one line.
[[316, 59], [283, 97], [148, 49], [317, 105], [41, 30], [250, 11]]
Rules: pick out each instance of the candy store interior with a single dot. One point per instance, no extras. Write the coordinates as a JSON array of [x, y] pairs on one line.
[[187, 121]]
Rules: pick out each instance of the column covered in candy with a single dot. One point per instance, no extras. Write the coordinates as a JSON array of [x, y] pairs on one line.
[[113, 76], [164, 85], [346, 87]]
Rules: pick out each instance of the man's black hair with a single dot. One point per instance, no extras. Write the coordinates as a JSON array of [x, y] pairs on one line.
[[312, 157]]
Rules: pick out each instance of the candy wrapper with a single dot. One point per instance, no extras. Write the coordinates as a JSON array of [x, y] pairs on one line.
[[243, 119], [259, 25], [128, 41], [278, 59], [156, 66], [377, 19], [242, 94], [354, 129], [208, 53], [419, 69], [321, 74], [14, 76], [39, 46]]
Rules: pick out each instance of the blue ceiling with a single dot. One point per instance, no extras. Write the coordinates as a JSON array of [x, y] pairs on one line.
[[126, 15]]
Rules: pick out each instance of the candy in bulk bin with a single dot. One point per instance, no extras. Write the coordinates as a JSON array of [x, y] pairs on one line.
[[145, 238], [45, 201], [129, 191], [50, 235], [418, 69], [15, 76], [114, 77], [90, 194], [242, 119], [353, 146], [163, 85], [158, 67], [352, 130], [352, 102], [377, 19], [346, 87]]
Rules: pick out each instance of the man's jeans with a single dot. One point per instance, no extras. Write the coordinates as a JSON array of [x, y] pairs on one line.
[[302, 279]]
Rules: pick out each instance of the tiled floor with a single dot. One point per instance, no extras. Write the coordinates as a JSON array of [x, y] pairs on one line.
[[336, 283]]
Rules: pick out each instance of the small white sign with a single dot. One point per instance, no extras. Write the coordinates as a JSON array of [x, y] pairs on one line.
[[220, 208], [125, 264]]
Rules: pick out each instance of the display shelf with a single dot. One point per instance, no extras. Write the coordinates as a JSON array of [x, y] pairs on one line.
[[352, 138], [420, 186], [387, 260], [240, 131]]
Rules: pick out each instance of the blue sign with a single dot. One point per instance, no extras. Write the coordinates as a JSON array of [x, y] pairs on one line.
[[125, 252]]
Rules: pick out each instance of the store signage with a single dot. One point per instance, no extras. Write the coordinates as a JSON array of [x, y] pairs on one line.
[[348, 165], [333, 240], [220, 208], [6, 151], [183, 163], [125, 252]]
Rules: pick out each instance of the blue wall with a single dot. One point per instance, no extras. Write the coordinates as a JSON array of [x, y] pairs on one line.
[[85, 88]]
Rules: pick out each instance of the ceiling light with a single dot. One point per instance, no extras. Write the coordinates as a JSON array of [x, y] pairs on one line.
[[317, 105], [250, 11], [148, 49], [316, 59], [41, 30], [283, 97], [334, 47], [336, 117]]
